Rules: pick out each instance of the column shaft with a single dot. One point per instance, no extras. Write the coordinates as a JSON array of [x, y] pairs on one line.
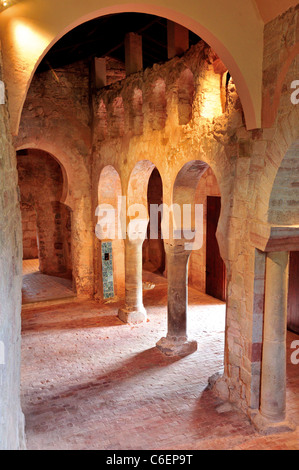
[[177, 294], [273, 390], [134, 311], [176, 343]]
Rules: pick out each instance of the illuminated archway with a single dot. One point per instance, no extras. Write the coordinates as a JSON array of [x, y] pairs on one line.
[[29, 29], [109, 254]]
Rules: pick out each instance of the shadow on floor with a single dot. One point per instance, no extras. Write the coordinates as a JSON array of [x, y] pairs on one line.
[[71, 316], [148, 360]]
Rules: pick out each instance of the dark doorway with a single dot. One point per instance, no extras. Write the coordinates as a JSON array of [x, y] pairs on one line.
[[293, 308], [153, 249], [216, 271]]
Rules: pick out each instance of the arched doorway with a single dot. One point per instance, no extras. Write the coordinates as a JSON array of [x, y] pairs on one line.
[[145, 189], [110, 251], [47, 234], [192, 232], [153, 246], [44, 32]]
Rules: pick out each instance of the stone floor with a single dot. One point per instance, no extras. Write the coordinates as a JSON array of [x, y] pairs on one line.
[[38, 287], [91, 382]]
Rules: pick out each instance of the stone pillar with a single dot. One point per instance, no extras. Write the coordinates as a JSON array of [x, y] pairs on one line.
[[133, 311], [82, 248], [177, 38], [133, 53], [176, 342], [272, 415]]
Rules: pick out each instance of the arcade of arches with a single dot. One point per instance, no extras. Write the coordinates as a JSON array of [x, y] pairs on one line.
[[137, 333]]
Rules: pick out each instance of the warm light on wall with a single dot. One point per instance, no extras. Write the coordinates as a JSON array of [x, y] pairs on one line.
[[7, 3], [211, 107], [27, 39]]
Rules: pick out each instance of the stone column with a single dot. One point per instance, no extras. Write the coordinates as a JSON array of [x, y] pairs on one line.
[[177, 39], [82, 249], [100, 72], [133, 311], [176, 342], [133, 53], [272, 415]]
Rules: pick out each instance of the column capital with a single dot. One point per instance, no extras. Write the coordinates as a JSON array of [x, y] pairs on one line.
[[176, 248], [132, 241]]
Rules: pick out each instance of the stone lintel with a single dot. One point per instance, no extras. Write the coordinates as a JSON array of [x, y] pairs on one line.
[[269, 238]]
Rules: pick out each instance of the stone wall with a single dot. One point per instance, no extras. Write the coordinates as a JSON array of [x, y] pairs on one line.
[[284, 201], [29, 226], [11, 417]]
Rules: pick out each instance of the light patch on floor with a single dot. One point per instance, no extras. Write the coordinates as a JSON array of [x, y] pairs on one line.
[[38, 287]]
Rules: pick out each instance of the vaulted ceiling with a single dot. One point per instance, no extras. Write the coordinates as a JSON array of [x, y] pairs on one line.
[[234, 29], [105, 37], [268, 9]]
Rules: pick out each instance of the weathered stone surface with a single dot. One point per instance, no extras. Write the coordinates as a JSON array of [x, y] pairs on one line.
[[11, 417]]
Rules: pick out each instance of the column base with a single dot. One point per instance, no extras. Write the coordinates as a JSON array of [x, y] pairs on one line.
[[132, 317], [176, 346], [266, 426]]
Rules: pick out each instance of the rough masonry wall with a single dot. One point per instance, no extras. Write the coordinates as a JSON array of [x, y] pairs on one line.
[[29, 227], [284, 201], [11, 417]]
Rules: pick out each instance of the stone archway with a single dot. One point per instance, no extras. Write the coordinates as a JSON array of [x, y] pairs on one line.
[[42, 183], [24, 25], [77, 198], [137, 219], [109, 270], [186, 234]]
